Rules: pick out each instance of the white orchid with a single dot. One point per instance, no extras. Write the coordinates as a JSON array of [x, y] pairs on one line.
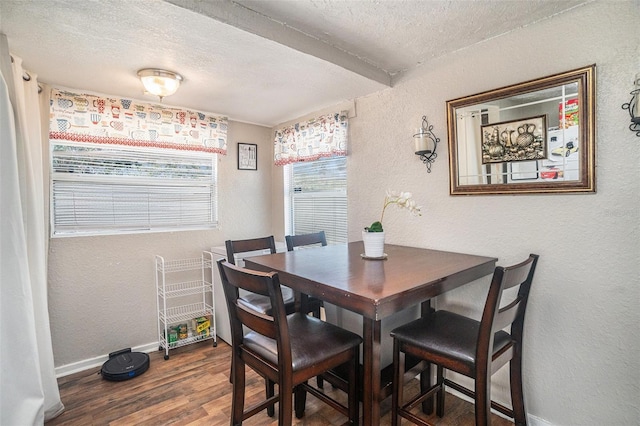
[[402, 200]]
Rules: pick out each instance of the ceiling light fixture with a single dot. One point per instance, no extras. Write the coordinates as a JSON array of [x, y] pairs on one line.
[[159, 82]]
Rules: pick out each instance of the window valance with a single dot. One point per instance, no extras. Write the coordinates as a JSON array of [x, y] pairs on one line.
[[110, 120], [325, 136]]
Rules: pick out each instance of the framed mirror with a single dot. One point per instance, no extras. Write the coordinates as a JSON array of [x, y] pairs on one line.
[[532, 137]]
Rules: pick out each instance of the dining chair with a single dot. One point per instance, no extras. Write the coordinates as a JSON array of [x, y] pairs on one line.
[[305, 240], [256, 301], [294, 241], [284, 348], [476, 349], [260, 302]]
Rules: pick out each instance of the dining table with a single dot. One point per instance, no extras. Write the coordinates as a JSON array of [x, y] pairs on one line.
[[374, 289]]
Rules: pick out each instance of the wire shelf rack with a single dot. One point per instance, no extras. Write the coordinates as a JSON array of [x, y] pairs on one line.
[[176, 300]]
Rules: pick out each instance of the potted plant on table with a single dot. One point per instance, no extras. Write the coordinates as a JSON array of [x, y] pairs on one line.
[[373, 235]]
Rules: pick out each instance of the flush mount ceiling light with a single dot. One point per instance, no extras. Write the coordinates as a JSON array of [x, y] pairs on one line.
[[159, 82]]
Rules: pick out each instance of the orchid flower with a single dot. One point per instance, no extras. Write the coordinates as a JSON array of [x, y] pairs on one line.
[[402, 200]]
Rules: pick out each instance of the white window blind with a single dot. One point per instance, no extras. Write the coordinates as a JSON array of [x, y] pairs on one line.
[[318, 198], [110, 189]]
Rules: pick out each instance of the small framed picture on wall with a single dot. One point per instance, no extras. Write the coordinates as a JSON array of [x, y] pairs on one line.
[[247, 156]]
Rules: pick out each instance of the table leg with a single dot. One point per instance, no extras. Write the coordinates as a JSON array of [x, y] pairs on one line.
[[301, 302], [371, 368], [425, 376]]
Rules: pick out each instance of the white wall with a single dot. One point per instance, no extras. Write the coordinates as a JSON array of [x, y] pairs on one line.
[[581, 363], [102, 289]]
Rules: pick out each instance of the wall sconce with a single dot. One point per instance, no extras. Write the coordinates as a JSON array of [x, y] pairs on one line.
[[159, 82], [634, 107], [426, 143]]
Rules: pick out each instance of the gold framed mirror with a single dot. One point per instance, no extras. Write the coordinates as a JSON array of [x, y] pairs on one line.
[[532, 137]]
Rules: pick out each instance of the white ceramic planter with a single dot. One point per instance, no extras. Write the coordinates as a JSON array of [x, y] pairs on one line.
[[373, 243]]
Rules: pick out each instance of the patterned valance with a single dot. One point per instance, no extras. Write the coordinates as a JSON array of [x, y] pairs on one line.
[[109, 120], [324, 136]]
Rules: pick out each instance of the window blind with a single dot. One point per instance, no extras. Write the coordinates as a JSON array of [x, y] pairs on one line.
[[318, 198], [110, 189]]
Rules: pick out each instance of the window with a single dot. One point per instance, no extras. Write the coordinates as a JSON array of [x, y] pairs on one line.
[[111, 189], [317, 198]]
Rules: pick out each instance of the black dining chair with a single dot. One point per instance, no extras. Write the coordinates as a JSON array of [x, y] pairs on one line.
[[476, 349], [283, 348]]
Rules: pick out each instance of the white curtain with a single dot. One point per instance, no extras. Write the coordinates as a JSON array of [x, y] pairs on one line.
[[28, 387], [469, 149], [471, 171]]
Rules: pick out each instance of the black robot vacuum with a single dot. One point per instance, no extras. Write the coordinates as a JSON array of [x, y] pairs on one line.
[[124, 365]]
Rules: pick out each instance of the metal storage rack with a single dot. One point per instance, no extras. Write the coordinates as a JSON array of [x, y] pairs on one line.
[[183, 301]]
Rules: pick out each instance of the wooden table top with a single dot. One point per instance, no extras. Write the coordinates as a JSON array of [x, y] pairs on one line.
[[373, 288]]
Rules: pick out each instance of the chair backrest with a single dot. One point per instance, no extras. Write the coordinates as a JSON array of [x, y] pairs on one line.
[[294, 241], [496, 318], [254, 244], [273, 326]]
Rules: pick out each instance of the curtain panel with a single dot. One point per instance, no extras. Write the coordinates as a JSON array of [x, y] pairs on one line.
[[325, 136], [119, 121], [29, 392]]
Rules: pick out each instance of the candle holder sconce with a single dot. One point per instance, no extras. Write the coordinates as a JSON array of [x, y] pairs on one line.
[[633, 106], [425, 143]]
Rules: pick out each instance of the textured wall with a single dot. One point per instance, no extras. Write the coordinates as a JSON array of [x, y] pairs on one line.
[[581, 361], [102, 289], [581, 364]]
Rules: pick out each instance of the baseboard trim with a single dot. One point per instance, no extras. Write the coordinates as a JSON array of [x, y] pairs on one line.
[[537, 421], [531, 420], [86, 364]]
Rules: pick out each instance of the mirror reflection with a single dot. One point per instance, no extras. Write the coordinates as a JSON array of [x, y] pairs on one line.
[[532, 137]]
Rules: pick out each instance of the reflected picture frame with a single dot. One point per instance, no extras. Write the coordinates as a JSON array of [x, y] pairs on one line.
[[247, 156], [563, 104], [524, 139]]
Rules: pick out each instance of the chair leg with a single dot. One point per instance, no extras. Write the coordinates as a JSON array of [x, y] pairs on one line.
[[285, 405], [316, 313], [517, 393], [440, 394], [354, 407], [425, 384], [483, 399], [300, 400], [237, 404], [270, 391], [398, 368]]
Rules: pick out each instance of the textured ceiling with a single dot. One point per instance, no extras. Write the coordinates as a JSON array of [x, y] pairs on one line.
[[256, 61]]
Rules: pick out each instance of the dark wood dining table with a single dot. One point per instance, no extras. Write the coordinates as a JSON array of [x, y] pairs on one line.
[[374, 289]]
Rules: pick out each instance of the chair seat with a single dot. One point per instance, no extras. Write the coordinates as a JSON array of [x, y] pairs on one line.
[[263, 304], [312, 341], [447, 334]]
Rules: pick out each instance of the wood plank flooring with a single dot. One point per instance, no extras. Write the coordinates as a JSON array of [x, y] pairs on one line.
[[192, 388]]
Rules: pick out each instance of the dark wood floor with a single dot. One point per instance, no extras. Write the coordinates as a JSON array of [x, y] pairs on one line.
[[192, 388]]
